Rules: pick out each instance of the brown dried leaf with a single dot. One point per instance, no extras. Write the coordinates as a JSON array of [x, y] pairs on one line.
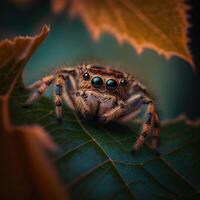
[[58, 5], [158, 25], [26, 171]]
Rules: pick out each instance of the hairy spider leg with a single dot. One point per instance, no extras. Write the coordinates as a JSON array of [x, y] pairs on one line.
[[47, 80], [65, 89], [69, 89], [146, 127], [65, 84], [58, 90], [41, 87], [127, 116], [71, 96], [134, 103], [151, 122], [81, 104], [155, 133], [122, 108]]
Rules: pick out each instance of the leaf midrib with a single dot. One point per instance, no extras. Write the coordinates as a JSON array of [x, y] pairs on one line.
[[108, 158]]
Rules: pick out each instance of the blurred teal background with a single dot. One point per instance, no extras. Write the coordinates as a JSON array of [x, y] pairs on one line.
[[173, 83]]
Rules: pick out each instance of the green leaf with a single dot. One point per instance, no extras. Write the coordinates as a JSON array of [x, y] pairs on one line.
[[95, 162]]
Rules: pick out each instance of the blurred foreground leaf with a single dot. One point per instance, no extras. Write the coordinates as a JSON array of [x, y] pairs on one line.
[[25, 170], [158, 25]]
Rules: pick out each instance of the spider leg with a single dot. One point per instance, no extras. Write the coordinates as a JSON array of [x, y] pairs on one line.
[[132, 111], [151, 122], [65, 87], [58, 91], [146, 127], [123, 108], [41, 86], [47, 80], [130, 115], [156, 133], [71, 96], [69, 88], [81, 104]]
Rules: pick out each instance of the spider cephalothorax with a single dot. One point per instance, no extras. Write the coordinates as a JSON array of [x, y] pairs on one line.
[[102, 93]]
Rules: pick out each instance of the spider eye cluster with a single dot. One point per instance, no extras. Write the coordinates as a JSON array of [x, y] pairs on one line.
[[111, 84]]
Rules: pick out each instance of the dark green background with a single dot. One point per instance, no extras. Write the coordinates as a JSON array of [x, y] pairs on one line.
[[174, 84]]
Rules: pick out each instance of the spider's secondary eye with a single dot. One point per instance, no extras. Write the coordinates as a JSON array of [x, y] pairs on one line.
[[111, 84], [86, 76], [97, 82], [97, 67], [123, 82]]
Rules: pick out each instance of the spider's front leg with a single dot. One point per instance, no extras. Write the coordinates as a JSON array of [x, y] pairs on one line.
[[40, 87], [151, 123], [71, 95], [58, 91], [64, 87], [82, 105], [122, 108]]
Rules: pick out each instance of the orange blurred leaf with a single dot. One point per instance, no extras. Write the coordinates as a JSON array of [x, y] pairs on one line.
[[58, 5], [26, 171], [158, 25]]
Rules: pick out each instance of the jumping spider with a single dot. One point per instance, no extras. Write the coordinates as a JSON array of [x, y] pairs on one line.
[[103, 93]]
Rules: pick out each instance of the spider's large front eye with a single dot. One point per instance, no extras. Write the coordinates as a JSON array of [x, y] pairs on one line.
[[97, 82], [86, 76], [111, 84]]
